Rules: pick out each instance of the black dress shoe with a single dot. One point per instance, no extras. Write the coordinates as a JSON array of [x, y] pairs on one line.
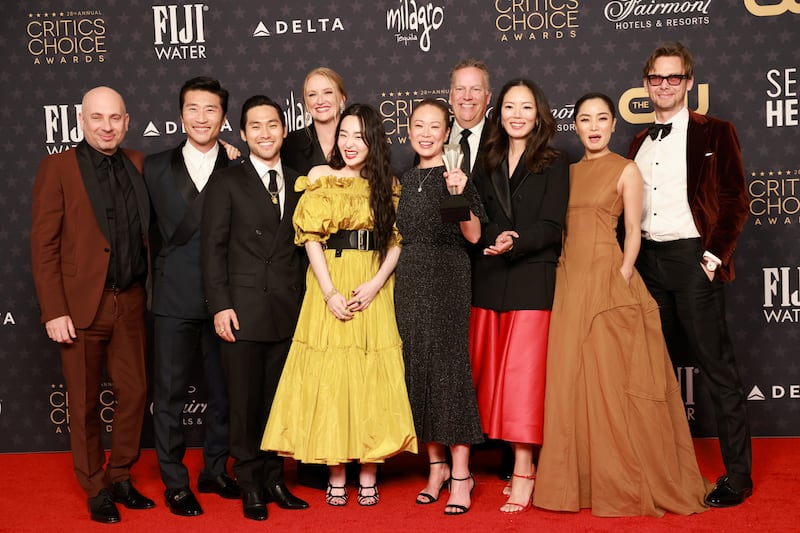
[[726, 495], [222, 485], [279, 494], [254, 506], [125, 493], [102, 508], [182, 502]]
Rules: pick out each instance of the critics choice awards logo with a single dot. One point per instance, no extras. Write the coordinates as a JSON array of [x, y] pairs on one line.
[[179, 32], [59, 407], [66, 37], [774, 197], [531, 20], [395, 108]]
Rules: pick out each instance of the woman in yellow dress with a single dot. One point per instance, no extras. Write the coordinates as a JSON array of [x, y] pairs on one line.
[[342, 394]]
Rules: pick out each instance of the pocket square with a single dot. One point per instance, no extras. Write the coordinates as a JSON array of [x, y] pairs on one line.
[[709, 154]]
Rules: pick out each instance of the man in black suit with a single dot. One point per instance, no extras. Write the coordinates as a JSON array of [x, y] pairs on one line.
[[184, 331], [254, 282], [695, 206]]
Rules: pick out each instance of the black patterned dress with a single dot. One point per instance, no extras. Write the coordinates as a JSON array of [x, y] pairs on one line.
[[432, 303]]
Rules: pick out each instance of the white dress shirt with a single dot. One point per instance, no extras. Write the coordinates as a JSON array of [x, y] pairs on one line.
[[474, 139], [263, 171], [666, 215], [200, 165]]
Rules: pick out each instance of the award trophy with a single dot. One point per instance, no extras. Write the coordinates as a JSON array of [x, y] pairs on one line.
[[454, 208]]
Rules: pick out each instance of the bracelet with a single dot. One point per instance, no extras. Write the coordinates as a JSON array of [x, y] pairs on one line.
[[329, 294]]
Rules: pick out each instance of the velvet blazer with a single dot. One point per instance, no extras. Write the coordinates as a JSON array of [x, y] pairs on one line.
[[69, 238], [716, 185]]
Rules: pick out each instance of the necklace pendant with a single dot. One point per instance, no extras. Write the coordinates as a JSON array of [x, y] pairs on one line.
[[419, 189], [275, 200]]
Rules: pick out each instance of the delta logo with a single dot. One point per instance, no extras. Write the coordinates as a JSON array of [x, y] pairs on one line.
[[298, 26]]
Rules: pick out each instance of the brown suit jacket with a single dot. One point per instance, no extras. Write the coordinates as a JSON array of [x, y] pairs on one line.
[[70, 247], [716, 185]]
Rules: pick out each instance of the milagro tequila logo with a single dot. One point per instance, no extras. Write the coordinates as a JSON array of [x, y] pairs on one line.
[[412, 22], [61, 126], [179, 31]]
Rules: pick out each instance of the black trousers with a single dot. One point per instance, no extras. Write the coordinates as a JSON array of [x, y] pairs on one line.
[[253, 370], [693, 320], [180, 345]]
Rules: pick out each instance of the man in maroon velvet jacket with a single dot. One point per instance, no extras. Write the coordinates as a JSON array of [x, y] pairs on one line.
[[695, 204]]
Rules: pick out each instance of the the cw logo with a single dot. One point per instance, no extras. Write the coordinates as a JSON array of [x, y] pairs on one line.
[[635, 107], [759, 10]]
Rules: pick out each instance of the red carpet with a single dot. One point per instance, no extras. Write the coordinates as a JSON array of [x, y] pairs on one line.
[[39, 493]]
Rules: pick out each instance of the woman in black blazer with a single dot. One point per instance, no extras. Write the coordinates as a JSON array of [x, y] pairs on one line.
[[524, 184], [324, 97]]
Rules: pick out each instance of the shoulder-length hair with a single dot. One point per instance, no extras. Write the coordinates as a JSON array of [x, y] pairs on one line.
[[376, 170], [539, 152]]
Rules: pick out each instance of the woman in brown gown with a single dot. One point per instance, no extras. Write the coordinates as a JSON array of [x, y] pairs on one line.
[[615, 432]]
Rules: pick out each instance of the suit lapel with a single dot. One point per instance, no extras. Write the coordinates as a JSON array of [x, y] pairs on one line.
[[502, 190], [92, 186], [183, 181], [140, 190], [695, 154]]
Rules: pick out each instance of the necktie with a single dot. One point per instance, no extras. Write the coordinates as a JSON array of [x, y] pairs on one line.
[[465, 148], [655, 129], [272, 189]]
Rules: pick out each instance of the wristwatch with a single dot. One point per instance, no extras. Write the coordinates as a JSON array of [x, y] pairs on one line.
[[711, 265]]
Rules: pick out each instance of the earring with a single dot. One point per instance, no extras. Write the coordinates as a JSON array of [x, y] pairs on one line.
[[341, 108], [307, 117]]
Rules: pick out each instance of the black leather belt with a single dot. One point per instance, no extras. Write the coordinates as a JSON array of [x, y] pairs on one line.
[[360, 239]]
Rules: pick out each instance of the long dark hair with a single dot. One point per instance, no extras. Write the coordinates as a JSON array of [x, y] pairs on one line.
[[539, 153], [377, 171]]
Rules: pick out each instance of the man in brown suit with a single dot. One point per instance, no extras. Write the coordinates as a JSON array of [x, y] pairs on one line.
[[695, 205], [89, 263]]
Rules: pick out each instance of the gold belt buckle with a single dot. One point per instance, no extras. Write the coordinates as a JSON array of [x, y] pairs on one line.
[[363, 240]]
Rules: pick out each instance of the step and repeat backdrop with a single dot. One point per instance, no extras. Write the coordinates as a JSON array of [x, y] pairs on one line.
[[392, 54]]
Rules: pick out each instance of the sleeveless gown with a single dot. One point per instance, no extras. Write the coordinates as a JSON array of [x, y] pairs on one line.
[[616, 437]]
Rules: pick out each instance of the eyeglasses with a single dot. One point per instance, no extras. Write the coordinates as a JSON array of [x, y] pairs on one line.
[[673, 79]]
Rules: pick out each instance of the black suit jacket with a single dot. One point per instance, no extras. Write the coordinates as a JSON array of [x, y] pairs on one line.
[[536, 208], [177, 277], [301, 150], [250, 261]]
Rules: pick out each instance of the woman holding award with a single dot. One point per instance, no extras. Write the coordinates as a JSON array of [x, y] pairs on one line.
[[432, 302], [524, 184]]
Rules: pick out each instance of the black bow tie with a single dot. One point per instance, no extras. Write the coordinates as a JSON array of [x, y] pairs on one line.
[[653, 130]]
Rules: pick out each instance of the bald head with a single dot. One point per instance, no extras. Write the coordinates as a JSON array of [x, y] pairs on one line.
[[104, 119]]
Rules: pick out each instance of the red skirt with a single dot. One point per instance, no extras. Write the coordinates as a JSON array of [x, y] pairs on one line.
[[508, 352]]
